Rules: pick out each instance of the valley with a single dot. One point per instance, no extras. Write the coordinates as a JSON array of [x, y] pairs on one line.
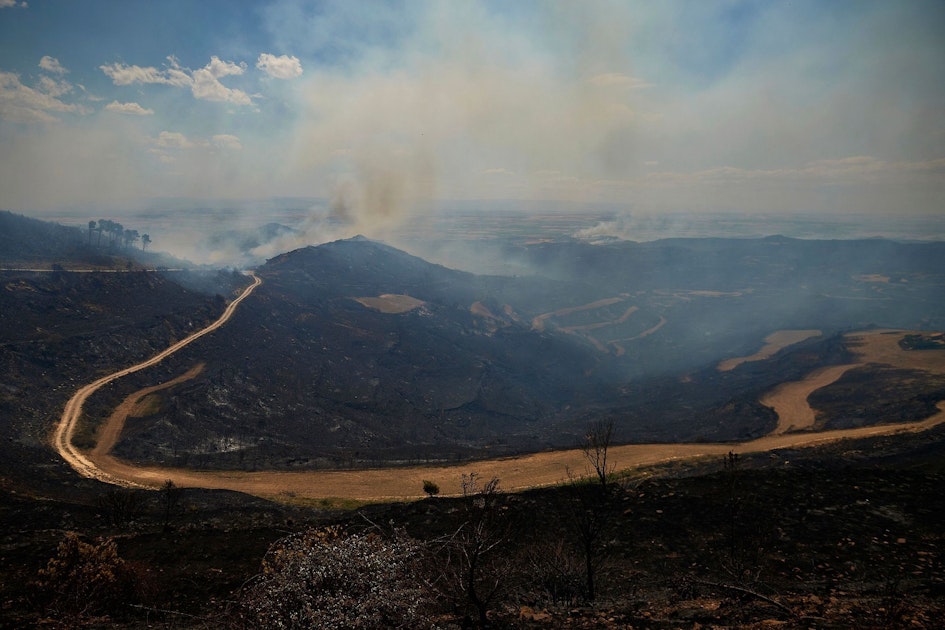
[[355, 354], [776, 405], [369, 315], [790, 402]]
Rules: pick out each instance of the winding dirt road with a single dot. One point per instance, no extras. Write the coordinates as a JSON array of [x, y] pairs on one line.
[[538, 469], [62, 437]]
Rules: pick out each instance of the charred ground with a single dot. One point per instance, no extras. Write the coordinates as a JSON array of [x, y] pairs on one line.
[[311, 374], [845, 535], [836, 536]]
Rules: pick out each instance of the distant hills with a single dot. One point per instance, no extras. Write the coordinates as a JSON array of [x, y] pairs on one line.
[[354, 352]]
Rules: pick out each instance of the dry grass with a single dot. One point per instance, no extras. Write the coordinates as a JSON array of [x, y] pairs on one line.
[[789, 400], [390, 303]]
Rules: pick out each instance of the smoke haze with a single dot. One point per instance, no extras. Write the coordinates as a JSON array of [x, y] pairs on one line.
[[385, 113]]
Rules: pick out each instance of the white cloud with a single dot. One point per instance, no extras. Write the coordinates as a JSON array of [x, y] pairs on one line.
[[793, 106], [6, 4], [53, 87], [51, 64], [21, 103], [218, 68], [133, 109], [226, 141], [122, 74], [204, 83], [282, 67], [173, 140]]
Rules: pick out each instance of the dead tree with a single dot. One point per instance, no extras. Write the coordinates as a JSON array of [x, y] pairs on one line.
[[473, 571], [592, 503], [595, 446], [170, 496]]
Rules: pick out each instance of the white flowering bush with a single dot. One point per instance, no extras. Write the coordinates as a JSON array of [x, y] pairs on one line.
[[327, 579]]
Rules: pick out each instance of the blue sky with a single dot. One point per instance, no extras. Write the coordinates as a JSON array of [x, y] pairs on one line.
[[390, 107]]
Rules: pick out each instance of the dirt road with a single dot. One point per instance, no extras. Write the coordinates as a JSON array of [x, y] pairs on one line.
[[517, 473], [789, 399], [62, 437]]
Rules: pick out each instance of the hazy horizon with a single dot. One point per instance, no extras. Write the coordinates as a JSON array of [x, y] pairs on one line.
[[210, 231], [389, 111]]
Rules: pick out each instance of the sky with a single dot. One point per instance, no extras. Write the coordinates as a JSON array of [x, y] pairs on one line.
[[391, 108]]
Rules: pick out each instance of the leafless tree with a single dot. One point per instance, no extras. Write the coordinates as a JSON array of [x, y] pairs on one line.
[[120, 506], [552, 568], [592, 504], [474, 572], [170, 496], [596, 445]]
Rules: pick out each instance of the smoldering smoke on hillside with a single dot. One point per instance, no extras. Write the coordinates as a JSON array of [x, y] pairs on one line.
[[475, 237], [644, 227], [466, 235]]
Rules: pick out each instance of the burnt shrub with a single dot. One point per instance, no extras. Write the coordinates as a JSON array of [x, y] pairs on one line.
[[86, 579], [324, 578]]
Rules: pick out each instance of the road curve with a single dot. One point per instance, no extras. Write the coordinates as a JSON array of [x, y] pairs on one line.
[[62, 437], [517, 473]]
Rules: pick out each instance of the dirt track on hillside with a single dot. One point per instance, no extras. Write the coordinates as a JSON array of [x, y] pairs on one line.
[[65, 430], [110, 431], [540, 468]]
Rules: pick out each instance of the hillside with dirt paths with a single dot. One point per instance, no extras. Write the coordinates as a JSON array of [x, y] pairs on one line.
[[843, 533], [479, 366]]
